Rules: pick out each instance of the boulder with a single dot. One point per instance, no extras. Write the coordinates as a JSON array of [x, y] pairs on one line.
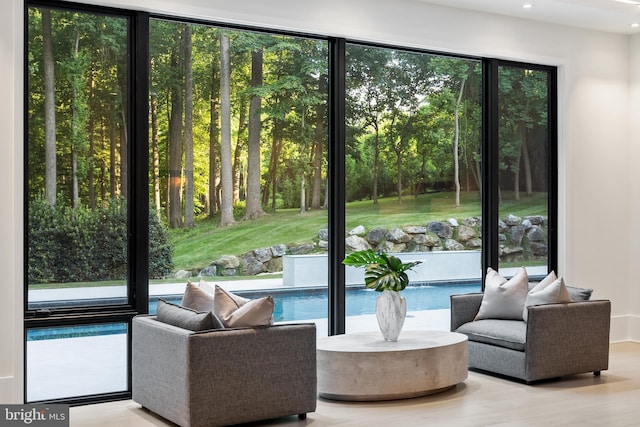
[[432, 240], [390, 247], [512, 220], [466, 233], [251, 265], [535, 219], [358, 231], [535, 234], [453, 222], [396, 235], [517, 233], [228, 261], [263, 254], [278, 250], [526, 224], [229, 272], [323, 244], [323, 234], [182, 274], [538, 249], [376, 235], [474, 243], [209, 271], [471, 222], [302, 249], [415, 229], [441, 229], [356, 243], [274, 265], [502, 226], [453, 245]]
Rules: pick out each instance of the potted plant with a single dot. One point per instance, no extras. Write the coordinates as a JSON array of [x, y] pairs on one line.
[[386, 274]]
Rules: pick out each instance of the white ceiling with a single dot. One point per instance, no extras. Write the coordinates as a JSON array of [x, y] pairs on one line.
[[614, 16]]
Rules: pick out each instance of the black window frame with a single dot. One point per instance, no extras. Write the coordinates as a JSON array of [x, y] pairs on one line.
[[138, 197]]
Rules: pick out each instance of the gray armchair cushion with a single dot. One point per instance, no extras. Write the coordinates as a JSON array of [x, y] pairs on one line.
[[504, 333]]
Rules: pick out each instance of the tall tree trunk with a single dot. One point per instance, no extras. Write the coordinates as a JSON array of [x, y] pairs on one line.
[[526, 161], [155, 155], [214, 132], [318, 155], [226, 206], [175, 138], [303, 200], [91, 171], [75, 124], [456, 143], [49, 110], [189, 193], [113, 146], [242, 126], [376, 163], [254, 204]]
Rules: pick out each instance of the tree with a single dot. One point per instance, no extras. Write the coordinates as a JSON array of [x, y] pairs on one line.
[[49, 109], [254, 201], [226, 205], [189, 219], [175, 136]]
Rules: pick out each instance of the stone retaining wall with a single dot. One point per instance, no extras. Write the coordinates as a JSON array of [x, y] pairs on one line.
[[521, 239]]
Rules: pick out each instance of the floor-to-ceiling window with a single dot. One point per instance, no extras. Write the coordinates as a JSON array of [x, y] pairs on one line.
[[79, 185], [525, 159], [223, 161], [413, 175]]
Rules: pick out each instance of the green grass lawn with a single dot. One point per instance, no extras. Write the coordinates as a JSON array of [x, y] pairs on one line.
[[197, 247]]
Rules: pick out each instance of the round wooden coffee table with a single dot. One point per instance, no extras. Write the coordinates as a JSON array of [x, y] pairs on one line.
[[364, 367]]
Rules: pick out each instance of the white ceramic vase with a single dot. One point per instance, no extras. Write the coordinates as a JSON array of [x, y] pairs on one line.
[[391, 309]]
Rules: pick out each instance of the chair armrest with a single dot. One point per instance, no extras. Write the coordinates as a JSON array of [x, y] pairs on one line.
[[464, 308], [580, 329]]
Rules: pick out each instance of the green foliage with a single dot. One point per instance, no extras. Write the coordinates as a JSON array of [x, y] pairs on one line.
[[382, 271], [72, 245]]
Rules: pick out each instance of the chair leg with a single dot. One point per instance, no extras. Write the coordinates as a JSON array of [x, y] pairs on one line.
[[596, 373], [302, 416]]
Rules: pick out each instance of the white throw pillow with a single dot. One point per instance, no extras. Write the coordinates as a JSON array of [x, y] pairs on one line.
[[236, 311], [504, 299], [547, 293], [197, 298]]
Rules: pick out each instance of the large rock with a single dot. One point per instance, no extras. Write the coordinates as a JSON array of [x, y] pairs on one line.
[[502, 226], [517, 233], [441, 229], [229, 272], [453, 222], [209, 271], [356, 243], [228, 261], [358, 231], [535, 219], [323, 244], [512, 220], [278, 250], [538, 249], [415, 229], [323, 234], [453, 245], [274, 265], [302, 249], [432, 240], [182, 274], [376, 236], [263, 254], [251, 265], [535, 234], [474, 243], [396, 235], [390, 247], [471, 222], [466, 233]]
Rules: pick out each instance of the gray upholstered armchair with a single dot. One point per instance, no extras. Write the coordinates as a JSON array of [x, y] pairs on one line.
[[225, 376], [557, 339]]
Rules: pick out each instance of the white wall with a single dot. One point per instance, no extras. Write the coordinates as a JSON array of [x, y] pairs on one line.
[[596, 155], [634, 190]]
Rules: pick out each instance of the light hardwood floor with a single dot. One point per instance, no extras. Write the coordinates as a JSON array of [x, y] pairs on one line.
[[612, 399]]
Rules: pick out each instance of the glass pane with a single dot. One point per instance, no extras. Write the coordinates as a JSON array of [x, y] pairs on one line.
[[524, 157], [238, 143], [413, 177], [72, 361], [77, 158]]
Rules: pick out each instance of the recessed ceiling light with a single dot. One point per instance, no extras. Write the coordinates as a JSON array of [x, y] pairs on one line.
[[635, 25], [527, 6]]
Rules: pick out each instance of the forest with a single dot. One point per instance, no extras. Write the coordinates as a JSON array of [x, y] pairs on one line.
[[238, 121]]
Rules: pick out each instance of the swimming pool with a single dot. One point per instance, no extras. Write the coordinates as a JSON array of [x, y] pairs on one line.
[[292, 305], [307, 304]]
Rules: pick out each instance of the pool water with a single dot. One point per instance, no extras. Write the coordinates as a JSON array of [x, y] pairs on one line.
[[307, 304], [292, 305]]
